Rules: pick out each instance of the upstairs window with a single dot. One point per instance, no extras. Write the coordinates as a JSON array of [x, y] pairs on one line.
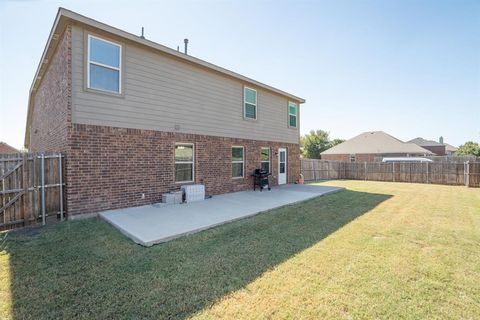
[[184, 162], [265, 159], [104, 65], [237, 162], [250, 103], [292, 114]]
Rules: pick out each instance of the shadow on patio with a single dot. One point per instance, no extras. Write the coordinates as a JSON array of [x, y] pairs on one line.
[[87, 269]]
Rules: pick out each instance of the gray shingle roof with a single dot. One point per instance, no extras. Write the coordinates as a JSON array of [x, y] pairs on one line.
[[424, 142], [376, 142]]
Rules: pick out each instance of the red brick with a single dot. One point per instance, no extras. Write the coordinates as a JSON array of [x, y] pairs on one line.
[[109, 168], [51, 118]]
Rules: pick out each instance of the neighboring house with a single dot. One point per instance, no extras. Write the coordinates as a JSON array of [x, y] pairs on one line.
[[7, 149], [438, 148], [137, 119], [372, 146], [450, 150]]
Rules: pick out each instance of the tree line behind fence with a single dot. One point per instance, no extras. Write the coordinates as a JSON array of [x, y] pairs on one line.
[[451, 173], [31, 189]]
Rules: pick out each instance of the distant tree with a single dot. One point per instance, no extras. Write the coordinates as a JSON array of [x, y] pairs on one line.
[[334, 142], [315, 142], [469, 148]]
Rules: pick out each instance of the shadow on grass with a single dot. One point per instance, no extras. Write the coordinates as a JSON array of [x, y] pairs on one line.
[[87, 269]]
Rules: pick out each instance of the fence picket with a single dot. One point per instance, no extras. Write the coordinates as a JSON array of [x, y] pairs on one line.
[[441, 172], [19, 190]]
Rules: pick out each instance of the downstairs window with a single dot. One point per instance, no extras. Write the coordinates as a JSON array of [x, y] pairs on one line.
[[184, 162]]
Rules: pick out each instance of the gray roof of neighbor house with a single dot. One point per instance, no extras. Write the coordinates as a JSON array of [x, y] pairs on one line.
[[376, 142], [424, 142], [65, 16]]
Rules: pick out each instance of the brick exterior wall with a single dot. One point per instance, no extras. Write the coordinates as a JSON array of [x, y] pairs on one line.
[[336, 157], [110, 168], [364, 157], [51, 118], [438, 150]]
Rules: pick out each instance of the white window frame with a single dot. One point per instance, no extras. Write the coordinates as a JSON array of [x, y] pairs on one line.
[[242, 162], [119, 69], [353, 158], [269, 158], [184, 162], [245, 102], [291, 114]]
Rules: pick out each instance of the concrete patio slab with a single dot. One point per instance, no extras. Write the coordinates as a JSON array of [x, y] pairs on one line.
[[157, 223]]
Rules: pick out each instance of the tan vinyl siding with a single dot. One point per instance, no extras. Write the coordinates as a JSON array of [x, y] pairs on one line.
[[160, 92]]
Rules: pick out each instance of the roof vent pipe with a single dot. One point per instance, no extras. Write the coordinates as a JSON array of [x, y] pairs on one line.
[[186, 45], [142, 36]]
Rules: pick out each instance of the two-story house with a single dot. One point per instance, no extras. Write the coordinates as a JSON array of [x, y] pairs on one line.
[[136, 119]]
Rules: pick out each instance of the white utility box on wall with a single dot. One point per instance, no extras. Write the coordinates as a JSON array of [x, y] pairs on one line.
[[194, 192], [172, 197]]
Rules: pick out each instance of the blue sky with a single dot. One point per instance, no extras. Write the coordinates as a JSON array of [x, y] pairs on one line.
[[410, 68]]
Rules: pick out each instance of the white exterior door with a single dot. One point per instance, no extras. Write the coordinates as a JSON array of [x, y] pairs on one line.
[[282, 166]]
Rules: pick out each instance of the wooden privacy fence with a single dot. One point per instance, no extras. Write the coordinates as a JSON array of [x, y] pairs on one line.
[[449, 159], [467, 173], [31, 189]]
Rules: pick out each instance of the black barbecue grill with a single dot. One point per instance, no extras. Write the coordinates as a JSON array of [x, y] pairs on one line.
[[260, 178]]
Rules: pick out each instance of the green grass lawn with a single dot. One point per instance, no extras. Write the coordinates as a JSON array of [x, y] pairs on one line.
[[375, 250]]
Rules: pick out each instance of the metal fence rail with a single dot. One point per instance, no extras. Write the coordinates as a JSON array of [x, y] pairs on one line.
[[449, 173]]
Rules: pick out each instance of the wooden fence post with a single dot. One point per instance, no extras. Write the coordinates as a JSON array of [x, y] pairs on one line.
[[409, 172], [427, 171], [393, 171], [43, 189], [35, 210], [365, 171], [4, 202], [466, 171], [60, 177], [26, 217]]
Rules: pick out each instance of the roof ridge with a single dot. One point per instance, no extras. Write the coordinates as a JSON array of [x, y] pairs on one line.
[[373, 142]]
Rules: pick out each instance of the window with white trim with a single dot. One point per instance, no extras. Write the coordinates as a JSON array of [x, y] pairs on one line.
[[184, 162], [265, 159], [292, 114], [250, 103], [104, 65], [237, 161]]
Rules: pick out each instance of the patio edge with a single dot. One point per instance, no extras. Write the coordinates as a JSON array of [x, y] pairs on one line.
[[170, 238]]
